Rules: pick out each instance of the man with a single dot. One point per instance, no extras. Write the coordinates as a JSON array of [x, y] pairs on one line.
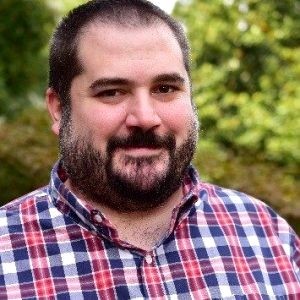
[[125, 216]]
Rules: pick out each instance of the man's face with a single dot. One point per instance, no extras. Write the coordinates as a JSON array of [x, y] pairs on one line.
[[132, 129]]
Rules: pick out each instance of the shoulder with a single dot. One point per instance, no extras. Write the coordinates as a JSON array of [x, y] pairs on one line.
[[34, 197], [223, 206], [244, 215], [232, 201], [22, 209], [233, 218]]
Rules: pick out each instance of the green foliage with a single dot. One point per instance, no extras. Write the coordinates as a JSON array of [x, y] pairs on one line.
[[24, 32], [63, 6], [27, 153], [247, 69], [246, 74]]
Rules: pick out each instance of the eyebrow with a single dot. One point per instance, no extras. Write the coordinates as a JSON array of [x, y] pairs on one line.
[[106, 82], [169, 77]]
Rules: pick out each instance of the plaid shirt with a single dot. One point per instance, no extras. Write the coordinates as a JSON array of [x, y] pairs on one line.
[[221, 245]]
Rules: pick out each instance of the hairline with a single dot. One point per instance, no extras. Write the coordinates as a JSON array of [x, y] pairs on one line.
[[111, 23]]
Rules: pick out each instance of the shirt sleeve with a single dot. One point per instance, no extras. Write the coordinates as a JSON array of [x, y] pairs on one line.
[[296, 253]]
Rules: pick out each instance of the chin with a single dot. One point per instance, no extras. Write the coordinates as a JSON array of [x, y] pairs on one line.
[[141, 166]]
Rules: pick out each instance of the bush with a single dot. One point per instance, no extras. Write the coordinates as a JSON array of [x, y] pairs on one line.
[[27, 155], [25, 28], [246, 74]]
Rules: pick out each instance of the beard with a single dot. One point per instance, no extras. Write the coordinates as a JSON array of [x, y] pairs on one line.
[[126, 183]]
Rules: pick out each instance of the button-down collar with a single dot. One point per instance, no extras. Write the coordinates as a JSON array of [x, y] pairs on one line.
[[85, 215]]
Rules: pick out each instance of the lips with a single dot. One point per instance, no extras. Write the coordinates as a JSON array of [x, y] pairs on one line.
[[141, 151]]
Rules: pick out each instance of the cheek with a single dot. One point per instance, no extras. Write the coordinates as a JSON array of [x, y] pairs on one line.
[[101, 120], [178, 118]]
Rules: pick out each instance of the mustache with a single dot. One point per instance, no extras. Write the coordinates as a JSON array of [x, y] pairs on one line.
[[139, 138]]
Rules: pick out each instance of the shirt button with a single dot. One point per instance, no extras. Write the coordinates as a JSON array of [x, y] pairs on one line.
[[98, 218], [148, 259]]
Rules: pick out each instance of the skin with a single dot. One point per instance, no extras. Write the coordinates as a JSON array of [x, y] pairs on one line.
[[132, 78]]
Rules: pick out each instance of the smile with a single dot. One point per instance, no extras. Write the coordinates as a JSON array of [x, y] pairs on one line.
[[141, 151]]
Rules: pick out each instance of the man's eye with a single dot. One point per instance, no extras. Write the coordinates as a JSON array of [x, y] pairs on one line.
[[164, 89], [109, 93]]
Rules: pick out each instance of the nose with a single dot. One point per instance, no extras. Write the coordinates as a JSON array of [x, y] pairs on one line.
[[142, 112]]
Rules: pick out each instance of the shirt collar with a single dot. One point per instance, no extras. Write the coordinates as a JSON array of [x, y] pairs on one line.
[[86, 216]]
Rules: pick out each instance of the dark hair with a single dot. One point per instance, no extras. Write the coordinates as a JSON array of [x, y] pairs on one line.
[[63, 61]]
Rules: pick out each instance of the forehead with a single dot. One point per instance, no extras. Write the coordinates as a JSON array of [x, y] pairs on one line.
[[111, 46], [113, 31]]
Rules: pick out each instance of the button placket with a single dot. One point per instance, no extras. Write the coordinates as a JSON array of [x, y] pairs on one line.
[[152, 277]]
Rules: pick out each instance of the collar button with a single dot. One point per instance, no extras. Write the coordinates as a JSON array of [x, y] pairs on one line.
[[148, 259], [97, 218]]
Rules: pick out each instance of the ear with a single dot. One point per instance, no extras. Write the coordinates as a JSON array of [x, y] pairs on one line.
[[54, 109]]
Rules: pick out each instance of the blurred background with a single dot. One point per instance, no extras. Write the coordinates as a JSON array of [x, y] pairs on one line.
[[246, 76]]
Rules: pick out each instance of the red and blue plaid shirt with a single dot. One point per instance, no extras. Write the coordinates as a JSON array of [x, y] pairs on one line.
[[222, 244]]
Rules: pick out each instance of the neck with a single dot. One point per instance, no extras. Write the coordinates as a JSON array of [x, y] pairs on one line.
[[143, 229]]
